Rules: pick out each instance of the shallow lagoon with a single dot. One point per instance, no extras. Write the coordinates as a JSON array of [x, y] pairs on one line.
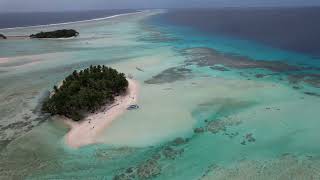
[[249, 127]]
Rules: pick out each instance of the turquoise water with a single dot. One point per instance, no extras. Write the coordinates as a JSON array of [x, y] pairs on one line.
[[195, 121]]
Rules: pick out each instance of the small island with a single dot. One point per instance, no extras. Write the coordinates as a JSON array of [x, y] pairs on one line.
[[85, 92], [63, 33], [2, 36], [89, 100]]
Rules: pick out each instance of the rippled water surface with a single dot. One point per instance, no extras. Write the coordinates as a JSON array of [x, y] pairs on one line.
[[212, 107]]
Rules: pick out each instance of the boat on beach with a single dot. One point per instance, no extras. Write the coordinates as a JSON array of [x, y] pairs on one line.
[[133, 107]]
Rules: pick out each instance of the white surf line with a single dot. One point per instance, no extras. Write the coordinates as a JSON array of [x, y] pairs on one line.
[[73, 22]]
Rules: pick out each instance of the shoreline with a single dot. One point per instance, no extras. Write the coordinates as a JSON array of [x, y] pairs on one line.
[[73, 22], [21, 37], [90, 128]]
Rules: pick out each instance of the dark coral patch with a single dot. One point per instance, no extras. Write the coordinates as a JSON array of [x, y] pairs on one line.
[[170, 75], [210, 57]]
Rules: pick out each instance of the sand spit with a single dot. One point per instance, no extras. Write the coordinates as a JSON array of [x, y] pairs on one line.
[[88, 130]]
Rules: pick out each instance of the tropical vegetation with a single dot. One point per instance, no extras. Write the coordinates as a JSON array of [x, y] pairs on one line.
[[63, 33], [2, 36], [85, 91]]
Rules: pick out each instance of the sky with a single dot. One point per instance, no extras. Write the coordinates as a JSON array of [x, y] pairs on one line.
[[64, 5]]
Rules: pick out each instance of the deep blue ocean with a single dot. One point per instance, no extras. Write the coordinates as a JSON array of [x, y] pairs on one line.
[[10, 20], [225, 94], [291, 29]]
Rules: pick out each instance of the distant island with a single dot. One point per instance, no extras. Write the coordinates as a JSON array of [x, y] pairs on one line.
[[85, 92], [2, 36], [63, 33]]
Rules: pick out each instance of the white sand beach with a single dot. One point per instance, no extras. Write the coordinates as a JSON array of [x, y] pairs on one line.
[[4, 60], [88, 130]]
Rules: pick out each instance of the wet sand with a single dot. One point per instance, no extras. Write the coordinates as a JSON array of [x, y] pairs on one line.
[[88, 130]]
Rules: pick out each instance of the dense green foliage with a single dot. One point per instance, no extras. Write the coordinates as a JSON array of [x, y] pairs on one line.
[[2, 36], [64, 33], [86, 91]]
